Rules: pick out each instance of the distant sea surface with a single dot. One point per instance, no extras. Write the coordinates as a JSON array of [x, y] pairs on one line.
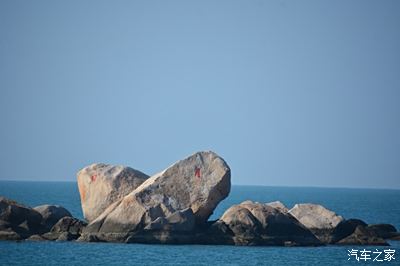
[[370, 205]]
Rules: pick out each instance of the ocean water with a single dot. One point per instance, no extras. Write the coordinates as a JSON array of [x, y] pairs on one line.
[[370, 205]]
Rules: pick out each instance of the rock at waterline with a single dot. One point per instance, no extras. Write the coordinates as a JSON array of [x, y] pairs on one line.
[[100, 185], [198, 182], [51, 214], [317, 218], [261, 224], [18, 221]]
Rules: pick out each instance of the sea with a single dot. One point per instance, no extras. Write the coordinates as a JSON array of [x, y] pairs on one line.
[[370, 205]]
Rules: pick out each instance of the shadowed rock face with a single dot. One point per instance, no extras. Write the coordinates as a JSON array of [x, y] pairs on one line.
[[261, 224], [198, 182], [51, 214], [100, 185]]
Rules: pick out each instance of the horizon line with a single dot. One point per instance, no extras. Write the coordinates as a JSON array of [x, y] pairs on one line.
[[247, 185]]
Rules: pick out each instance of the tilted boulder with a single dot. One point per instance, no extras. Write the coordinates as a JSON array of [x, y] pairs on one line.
[[100, 185], [260, 224], [198, 182]]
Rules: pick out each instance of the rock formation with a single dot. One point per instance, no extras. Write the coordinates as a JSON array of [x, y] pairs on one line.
[[173, 207], [261, 224], [198, 182], [100, 185]]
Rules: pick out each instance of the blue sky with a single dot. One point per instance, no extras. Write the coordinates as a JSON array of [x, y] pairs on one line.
[[291, 93]]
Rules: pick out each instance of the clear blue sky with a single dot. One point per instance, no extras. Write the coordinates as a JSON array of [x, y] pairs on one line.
[[292, 93]]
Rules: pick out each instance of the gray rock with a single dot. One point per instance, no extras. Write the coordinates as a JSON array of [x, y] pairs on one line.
[[317, 218], [278, 205], [52, 214], [100, 185], [198, 182], [261, 224]]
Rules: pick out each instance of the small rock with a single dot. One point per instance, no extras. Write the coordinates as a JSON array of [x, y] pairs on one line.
[[52, 214], [363, 236]]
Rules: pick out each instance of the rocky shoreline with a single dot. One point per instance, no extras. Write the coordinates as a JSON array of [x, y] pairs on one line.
[[121, 204]]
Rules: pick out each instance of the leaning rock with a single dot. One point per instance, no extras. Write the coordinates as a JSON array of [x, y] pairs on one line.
[[198, 182], [261, 224], [102, 184], [52, 214], [363, 236], [317, 218]]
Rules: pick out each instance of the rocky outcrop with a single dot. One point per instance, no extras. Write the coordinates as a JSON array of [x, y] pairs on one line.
[[67, 228], [363, 236], [260, 224], [51, 214], [198, 183], [18, 221], [317, 218], [100, 185], [173, 207]]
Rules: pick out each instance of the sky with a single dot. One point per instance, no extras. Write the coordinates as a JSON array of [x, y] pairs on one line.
[[289, 93]]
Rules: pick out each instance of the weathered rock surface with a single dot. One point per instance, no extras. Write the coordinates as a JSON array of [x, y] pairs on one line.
[[100, 185], [317, 218], [278, 205], [261, 224], [18, 221], [67, 228], [198, 183], [51, 214]]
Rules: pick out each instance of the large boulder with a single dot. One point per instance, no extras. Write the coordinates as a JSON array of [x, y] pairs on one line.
[[261, 224], [52, 214], [317, 218], [18, 220], [100, 185], [198, 182]]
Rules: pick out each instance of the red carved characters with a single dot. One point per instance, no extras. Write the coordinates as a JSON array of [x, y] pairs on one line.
[[197, 172], [93, 178]]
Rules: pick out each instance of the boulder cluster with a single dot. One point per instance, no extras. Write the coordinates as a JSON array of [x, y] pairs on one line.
[[121, 204]]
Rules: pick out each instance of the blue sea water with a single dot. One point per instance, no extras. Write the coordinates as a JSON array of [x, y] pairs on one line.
[[370, 205]]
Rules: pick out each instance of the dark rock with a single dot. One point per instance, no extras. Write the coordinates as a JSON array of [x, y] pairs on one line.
[[67, 228], [344, 229], [363, 236], [22, 220], [384, 231], [9, 235], [51, 214]]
